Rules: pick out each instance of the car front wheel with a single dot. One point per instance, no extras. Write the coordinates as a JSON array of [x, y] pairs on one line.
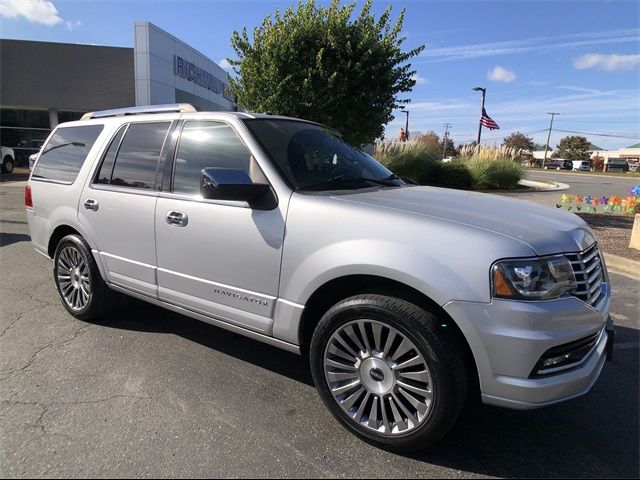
[[389, 371]]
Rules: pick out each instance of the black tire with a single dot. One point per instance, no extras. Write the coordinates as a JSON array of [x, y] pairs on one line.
[[439, 347], [7, 164], [99, 295]]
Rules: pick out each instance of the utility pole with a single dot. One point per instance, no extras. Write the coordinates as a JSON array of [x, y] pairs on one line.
[[546, 148], [447, 126]]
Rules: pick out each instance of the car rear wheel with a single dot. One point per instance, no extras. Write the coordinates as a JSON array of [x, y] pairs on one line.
[[389, 371], [80, 286], [7, 164]]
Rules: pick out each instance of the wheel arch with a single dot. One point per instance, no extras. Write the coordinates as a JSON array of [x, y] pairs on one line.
[[347, 286], [62, 231]]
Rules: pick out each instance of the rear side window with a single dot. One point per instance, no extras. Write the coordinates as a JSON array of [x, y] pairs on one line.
[[104, 176], [64, 154], [137, 159]]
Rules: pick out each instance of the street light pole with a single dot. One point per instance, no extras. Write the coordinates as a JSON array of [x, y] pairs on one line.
[[546, 148], [484, 93]]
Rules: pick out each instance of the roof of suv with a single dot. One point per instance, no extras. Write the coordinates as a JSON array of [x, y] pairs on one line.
[[171, 112]]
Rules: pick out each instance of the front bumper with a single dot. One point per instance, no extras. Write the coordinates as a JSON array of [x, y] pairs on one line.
[[508, 338]]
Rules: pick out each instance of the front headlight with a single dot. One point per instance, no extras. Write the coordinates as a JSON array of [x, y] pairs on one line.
[[532, 278]]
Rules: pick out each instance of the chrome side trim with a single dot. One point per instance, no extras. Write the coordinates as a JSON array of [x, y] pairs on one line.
[[210, 320]]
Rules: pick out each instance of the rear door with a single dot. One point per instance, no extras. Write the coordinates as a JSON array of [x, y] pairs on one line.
[[222, 258], [118, 204]]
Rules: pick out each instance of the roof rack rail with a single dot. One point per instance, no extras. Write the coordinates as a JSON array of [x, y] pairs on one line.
[[145, 109]]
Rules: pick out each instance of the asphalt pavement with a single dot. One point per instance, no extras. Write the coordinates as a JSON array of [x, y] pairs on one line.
[[150, 393], [579, 184]]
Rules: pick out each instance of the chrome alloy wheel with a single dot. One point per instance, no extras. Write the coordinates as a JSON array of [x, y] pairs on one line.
[[378, 377], [72, 275]]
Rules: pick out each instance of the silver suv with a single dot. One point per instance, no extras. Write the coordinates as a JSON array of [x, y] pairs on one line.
[[407, 300]]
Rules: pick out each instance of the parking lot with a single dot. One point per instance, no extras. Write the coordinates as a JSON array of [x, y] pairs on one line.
[[149, 393]]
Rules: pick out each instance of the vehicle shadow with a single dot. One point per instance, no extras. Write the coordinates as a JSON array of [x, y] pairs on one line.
[[542, 443], [486, 440], [139, 316], [14, 177], [11, 238]]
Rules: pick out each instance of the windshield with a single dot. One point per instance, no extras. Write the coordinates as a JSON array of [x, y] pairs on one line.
[[315, 158]]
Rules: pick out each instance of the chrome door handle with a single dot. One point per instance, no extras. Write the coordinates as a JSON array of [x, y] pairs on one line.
[[178, 219], [91, 204]]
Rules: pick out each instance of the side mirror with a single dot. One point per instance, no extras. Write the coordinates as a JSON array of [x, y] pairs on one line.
[[231, 184]]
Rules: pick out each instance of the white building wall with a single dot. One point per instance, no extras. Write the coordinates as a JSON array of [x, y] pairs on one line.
[[157, 82]]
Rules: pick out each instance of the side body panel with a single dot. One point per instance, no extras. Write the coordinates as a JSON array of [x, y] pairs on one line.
[[328, 238]]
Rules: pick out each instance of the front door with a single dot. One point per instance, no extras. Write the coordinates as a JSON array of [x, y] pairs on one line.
[[220, 258]]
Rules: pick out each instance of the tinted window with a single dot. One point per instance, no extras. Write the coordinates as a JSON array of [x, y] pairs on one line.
[[313, 157], [209, 144], [104, 176], [137, 159], [63, 155]]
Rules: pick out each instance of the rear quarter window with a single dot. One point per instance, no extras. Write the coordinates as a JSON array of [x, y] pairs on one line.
[[64, 154]]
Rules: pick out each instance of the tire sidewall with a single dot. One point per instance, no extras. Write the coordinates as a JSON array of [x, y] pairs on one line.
[[94, 275], [7, 164], [437, 420]]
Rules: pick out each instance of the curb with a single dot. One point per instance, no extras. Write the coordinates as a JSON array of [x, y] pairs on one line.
[[544, 186], [622, 265]]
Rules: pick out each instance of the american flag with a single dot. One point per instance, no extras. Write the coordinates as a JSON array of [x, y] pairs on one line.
[[487, 121]]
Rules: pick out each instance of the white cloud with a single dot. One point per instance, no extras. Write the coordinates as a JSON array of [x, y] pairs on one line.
[[606, 62], [71, 26], [528, 45], [224, 63], [420, 80], [36, 11], [500, 74]]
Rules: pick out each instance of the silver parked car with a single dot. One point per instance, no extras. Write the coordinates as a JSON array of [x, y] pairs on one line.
[[407, 300]]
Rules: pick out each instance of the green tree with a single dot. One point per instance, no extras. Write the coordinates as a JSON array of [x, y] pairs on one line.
[[573, 147], [435, 145], [327, 65], [521, 142]]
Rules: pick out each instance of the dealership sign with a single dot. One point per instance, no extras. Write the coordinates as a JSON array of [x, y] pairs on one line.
[[191, 72]]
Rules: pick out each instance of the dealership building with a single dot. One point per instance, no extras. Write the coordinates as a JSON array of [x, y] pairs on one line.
[[43, 83]]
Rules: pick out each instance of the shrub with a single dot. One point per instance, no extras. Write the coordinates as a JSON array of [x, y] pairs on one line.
[[492, 168], [448, 175], [407, 159]]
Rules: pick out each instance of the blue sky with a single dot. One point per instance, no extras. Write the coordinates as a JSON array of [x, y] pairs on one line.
[[578, 58]]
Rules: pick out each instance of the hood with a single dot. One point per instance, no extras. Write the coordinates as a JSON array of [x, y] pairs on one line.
[[545, 230]]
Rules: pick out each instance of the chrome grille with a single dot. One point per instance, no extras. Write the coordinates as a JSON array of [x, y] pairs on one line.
[[587, 267]]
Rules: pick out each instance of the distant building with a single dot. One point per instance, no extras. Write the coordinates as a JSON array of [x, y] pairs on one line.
[[630, 155], [45, 83]]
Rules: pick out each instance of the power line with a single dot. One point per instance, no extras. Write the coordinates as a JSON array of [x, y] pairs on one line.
[[599, 134]]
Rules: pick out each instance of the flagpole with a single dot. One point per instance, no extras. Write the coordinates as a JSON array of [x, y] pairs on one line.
[[484, 92]]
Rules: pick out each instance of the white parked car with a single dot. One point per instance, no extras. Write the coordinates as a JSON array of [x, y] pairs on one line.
[[406, 299], [581, 165]]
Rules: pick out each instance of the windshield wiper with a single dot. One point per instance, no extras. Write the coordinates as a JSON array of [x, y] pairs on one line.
[[389, 181], [75, 144]]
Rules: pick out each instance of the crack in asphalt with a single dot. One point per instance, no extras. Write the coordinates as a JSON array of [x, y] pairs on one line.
[[39, 423], [16, 371], [19, 317]]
